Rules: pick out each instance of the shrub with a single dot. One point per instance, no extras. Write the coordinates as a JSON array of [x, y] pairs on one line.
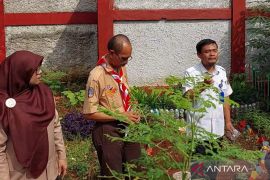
[[54, 80], [82, 159], [152, 97], [259, 33], [167, 145], [259, 120], [72, 79], [243, 93], [75, 98]]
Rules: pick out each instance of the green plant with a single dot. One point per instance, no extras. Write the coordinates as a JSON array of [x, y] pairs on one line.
[[81, 159], [152, 98], [243, 93], [258, 35], [75, 98], [54, 80], [259, 120], [172, 148], [72, 79]]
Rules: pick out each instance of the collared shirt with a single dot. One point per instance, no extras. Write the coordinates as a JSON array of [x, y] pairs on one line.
[[213, 119], [103, 90]]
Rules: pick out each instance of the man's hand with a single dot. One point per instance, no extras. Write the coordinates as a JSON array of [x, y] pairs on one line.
[[229, 127], [132, 116], [205, 84], [208, 81], [62, 167], [208, 78]]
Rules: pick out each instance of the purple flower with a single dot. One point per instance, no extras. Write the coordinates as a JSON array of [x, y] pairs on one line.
[[74, 125]]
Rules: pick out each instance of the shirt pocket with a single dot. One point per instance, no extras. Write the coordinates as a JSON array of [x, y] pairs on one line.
[[113, 96]]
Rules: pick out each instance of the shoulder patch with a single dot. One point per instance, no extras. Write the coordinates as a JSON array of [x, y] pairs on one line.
[[90, 92]]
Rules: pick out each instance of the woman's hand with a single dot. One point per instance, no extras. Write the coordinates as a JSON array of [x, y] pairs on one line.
[[62, 167]]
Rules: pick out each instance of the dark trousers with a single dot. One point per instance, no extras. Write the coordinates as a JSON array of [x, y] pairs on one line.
[[202, 150], [112, 155]]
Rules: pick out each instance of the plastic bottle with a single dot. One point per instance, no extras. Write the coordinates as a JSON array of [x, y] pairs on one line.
[[176, 114], [181, 113], [156, 111]]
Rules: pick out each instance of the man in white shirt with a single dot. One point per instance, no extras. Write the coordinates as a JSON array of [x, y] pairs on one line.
[[217, 117]]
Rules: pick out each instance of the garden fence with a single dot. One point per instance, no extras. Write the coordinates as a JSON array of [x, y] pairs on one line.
[[260, 82]]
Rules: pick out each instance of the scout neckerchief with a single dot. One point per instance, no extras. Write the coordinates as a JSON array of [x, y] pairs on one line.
[[119, 79]]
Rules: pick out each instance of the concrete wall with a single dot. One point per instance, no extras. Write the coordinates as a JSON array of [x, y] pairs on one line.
[[63, 46], [17, 6], [170, 4], [250, 3], [167, 48], [161, 48]]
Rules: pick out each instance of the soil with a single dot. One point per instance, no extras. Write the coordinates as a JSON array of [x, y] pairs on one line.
[[63, 107], [247, 142]]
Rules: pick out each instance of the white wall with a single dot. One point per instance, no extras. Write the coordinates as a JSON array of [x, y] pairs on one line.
[[163, 48], [167, 48], [16, 6], [160, 48], [251, 3], [170, 4]]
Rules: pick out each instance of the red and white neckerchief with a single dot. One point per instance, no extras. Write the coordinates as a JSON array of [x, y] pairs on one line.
[[119, 79]]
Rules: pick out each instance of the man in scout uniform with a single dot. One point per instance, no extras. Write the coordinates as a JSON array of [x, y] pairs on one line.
[[107, 87]]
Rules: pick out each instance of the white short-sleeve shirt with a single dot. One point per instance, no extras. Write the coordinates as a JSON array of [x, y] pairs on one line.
[[213, 119]]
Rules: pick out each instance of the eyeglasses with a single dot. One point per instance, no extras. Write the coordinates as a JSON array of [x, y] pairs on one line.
[[38, 71]]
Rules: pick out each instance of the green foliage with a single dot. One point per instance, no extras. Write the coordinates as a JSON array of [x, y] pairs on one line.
[[259, 33], [116, 114], [259, 121], [152, 97], [73, 79], [172, 149], [243, 93], [81, 158], [236, 152], [75, 98], [54, 80]]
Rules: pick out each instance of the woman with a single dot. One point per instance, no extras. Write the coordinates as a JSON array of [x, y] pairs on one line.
[[31, 141]]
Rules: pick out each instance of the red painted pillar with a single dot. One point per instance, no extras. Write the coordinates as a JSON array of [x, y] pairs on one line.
[[238, 36], [2, 33], [105, 24]]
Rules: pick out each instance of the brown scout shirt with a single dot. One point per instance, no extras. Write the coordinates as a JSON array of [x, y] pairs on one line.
[[103, 90]]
